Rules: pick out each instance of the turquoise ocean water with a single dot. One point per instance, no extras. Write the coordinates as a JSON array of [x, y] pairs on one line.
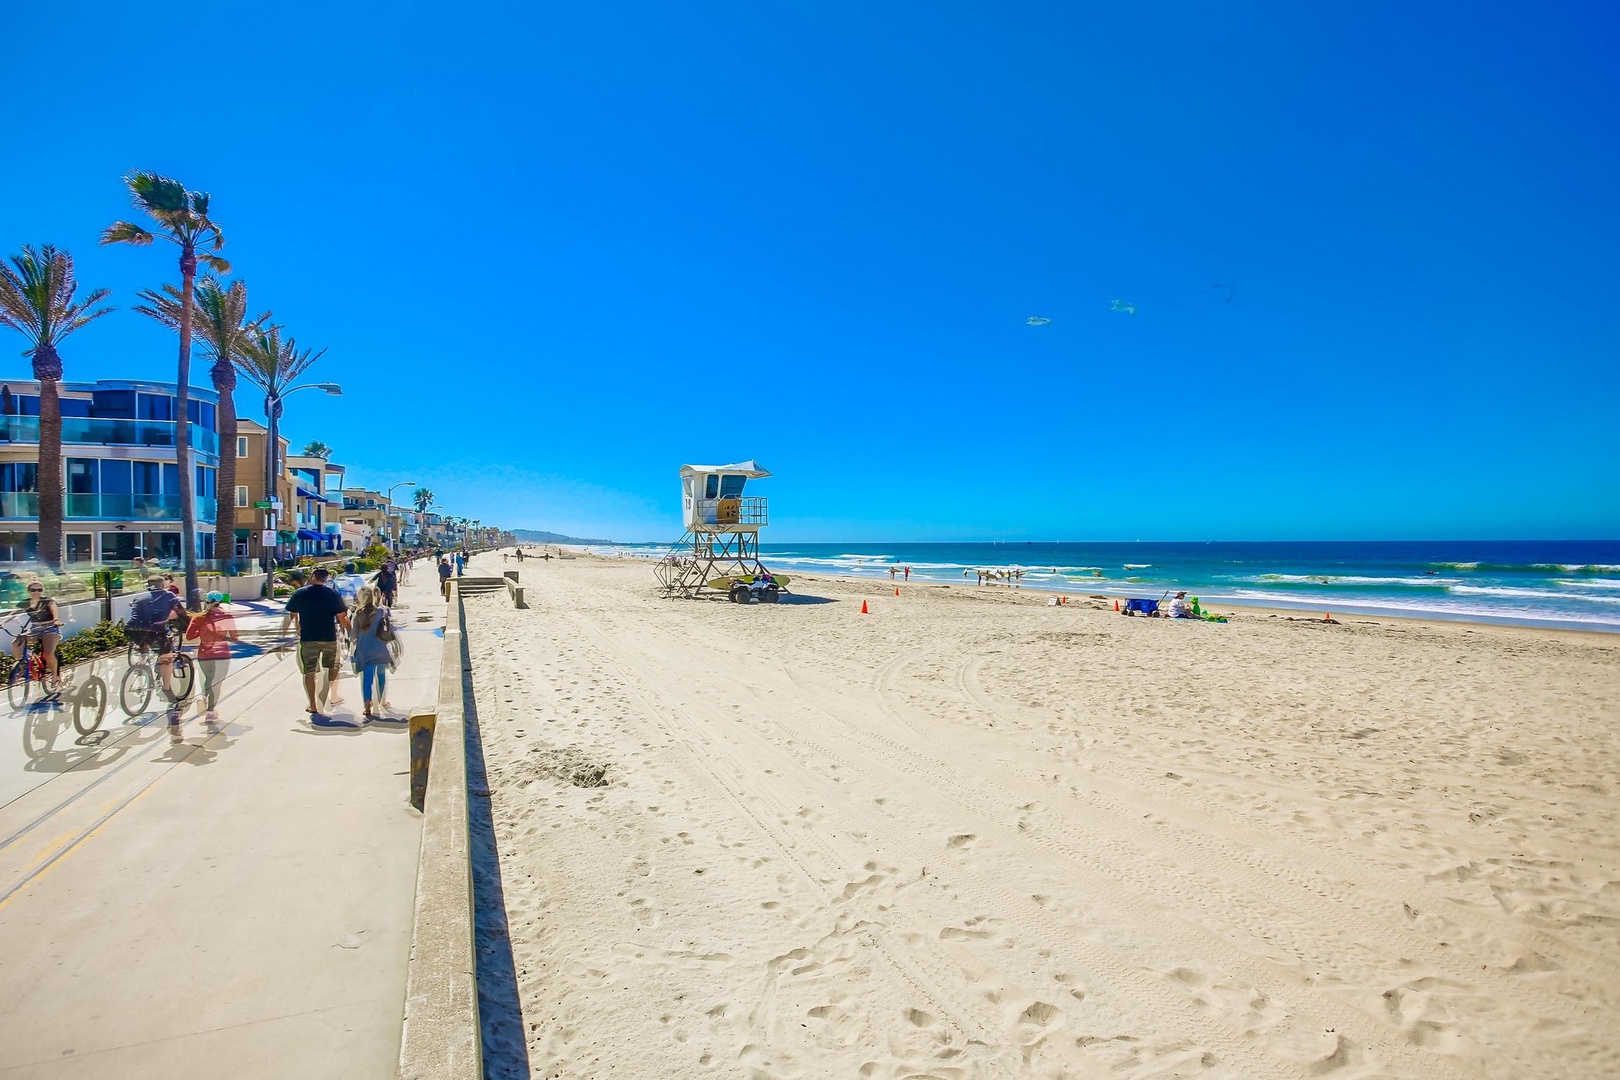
[[1572, 584]]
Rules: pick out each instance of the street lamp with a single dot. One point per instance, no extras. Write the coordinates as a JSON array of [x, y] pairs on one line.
[[388, 506]]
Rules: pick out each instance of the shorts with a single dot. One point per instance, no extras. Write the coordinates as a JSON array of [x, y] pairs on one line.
[[314, 655], [157, 641]]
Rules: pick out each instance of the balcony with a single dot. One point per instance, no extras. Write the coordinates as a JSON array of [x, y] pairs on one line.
[[98, 431], [132, 507], [19, 504]]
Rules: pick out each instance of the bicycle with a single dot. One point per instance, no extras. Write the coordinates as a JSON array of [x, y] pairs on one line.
[[89, 700], [135, 691]]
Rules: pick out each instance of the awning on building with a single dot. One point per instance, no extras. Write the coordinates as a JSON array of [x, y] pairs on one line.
[[306, 493], [243, 534], [310, 534], [285, 536]]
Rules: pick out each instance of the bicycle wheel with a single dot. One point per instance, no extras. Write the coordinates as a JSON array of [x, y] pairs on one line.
[[185, 676], [19, 686], [135, 692], [90, 705]]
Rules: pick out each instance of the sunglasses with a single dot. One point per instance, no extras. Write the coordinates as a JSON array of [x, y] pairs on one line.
[[36, 588]]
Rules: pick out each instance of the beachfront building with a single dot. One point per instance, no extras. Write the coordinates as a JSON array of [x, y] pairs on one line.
[[366, 518], [121, 474], [317, 502], [254, 520]]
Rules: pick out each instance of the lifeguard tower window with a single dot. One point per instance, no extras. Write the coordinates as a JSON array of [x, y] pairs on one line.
[[711, 487], [731, 487]]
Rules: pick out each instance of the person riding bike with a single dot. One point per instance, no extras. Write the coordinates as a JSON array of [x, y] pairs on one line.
[[148, 627], [44, 625]]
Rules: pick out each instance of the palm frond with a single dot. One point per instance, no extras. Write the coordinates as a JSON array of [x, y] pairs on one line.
[[214, 263], [37, 297], [126, 232], [158, 195], [163, 307], [273, 363]]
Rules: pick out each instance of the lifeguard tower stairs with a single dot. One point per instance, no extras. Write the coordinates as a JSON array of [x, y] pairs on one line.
[[721, 541]]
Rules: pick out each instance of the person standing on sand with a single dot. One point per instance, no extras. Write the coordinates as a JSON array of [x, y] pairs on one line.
[[908, 573], [319, 611], [214, 631]]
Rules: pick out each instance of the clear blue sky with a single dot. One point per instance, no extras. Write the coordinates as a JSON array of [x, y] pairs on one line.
[[557, 250]]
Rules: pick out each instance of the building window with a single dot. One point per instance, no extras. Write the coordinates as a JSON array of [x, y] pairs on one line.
[[241, 495], [241, 446], [19, 547], [81, 547]]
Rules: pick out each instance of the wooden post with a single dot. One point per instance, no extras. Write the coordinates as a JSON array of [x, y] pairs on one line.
[[421, 743]]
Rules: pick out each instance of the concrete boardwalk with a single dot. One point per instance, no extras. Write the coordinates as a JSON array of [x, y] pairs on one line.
[[235, 904]]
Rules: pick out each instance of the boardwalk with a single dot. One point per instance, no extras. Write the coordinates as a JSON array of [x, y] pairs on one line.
[[236, 903]]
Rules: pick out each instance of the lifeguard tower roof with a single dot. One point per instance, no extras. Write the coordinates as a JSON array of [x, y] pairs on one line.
[[749, 468]]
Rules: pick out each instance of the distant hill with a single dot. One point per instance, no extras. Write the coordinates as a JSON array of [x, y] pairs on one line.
[[540, 536]]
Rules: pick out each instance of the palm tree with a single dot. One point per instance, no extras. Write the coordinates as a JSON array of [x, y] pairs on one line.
[[183, 220], [36, 300], [423, 498], [273, 364], [318, 449], [222, 322]]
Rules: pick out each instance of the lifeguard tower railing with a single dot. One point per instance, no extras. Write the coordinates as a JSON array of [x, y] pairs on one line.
[[731, 515]]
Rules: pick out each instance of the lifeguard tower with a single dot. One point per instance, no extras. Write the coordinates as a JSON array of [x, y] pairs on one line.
[[720, 549]]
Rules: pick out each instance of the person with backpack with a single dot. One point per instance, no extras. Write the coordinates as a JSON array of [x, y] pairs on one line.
[[149, 623]]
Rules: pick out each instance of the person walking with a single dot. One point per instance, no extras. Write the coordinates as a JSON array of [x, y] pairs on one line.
[[319, 611], [387, 581], [213, 631], [376, 649], [444, 577]]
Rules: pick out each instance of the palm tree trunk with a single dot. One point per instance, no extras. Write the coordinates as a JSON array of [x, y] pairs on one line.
[[48, 369], [225, 479], [182, 423]]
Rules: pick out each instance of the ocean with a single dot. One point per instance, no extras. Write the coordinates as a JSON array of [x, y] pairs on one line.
[[1571, 584]]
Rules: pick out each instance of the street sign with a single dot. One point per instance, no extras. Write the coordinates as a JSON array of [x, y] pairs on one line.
[[262, 504], [268, 538]]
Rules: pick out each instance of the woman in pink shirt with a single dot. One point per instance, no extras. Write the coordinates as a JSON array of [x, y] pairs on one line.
[[214, 632]]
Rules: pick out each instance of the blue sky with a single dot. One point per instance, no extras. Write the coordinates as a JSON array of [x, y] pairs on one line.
[[556, 251]]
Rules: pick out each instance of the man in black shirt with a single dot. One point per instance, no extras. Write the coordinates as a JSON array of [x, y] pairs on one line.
[[319, 611]]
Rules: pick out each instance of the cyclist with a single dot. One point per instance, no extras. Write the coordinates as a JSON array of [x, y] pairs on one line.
[[44, 625], [148, 627]]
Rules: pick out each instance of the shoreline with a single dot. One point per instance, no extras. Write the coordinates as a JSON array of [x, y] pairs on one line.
[[1280, 606]]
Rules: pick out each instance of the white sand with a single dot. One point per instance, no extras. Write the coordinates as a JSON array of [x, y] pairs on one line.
[[970, 835]]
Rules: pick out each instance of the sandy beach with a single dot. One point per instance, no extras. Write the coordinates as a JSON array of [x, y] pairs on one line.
[[972, 835]]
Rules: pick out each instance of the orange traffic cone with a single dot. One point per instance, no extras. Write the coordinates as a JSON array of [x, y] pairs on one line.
[[1116, 605], [1327, 616], [863, 608], [897, 590]]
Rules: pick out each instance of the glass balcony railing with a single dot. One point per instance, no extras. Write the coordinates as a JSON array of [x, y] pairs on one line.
[[19, 504], [93, 430], [24, 429], [134, 507]]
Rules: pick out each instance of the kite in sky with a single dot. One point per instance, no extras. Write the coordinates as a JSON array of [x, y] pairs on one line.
[[1036, 320], [1122, 306]]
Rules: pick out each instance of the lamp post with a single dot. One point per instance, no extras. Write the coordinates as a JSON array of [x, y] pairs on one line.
[[388, 507], [273, 400]]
